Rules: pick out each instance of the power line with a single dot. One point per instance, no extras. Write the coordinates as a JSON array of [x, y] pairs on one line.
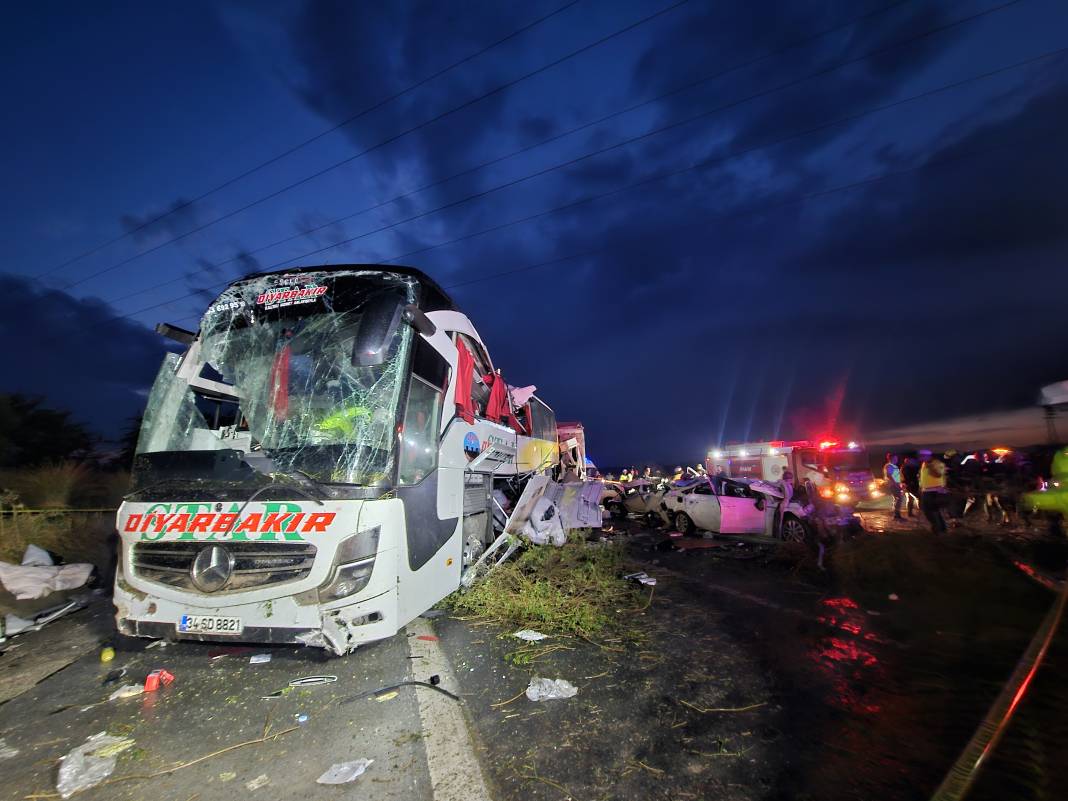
[[348, 160], [763, 93], [301, 145], [698, 165], [633, 107]]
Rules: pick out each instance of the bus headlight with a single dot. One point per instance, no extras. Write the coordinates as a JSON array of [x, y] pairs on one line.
[[354, 562]]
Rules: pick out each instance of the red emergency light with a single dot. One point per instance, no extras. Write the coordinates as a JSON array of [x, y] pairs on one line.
[[828, 443]]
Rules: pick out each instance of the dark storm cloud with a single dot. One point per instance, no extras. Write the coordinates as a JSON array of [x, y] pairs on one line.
[[203, 280], [76, 353], [172, 220], [354, 55]]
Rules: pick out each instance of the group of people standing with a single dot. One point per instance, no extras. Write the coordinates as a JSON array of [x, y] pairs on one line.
[[952, 484]]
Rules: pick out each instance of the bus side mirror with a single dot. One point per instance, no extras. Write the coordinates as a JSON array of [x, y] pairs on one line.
[[377, 327], [417, 319]]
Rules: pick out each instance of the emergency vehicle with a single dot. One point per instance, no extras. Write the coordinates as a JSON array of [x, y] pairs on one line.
[[332, 454], [838, 472]]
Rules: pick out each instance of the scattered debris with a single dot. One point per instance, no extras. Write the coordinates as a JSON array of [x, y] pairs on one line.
[[230, 650], [113, 676], [301, 718], [530, 635], [156, 644], [310, 681], [344, 772], [107, 653], [90, 763], [157, 679], [126, 691], [550, 689], [259, 659], [642, 578], [277, 693], [258, 782], [387, 696], [227, 776], [432, 685], [6, 751], [431, 614], [38, 576], [427, 637]]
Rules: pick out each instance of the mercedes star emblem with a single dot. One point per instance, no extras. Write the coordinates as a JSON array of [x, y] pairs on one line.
[[212, 568]]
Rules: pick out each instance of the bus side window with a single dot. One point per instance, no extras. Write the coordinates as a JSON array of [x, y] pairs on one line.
[[542, 421], [479, 391], [418, 441]]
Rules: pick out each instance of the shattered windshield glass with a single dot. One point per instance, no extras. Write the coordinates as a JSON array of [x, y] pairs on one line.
[[304, 369]]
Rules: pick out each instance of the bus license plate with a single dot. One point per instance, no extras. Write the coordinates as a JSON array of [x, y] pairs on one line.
[[210, 624]]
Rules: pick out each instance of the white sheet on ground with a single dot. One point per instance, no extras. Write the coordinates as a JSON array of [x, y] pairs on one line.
[[32, 579]]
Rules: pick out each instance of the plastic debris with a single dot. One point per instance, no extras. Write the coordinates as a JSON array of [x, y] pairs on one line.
[[107, 653], [435, 680], [530, 635], [156, 644], [344, 772], [114, 675], [258, 782], [301, 718], [90, 763], [387, 696], [126, 691], [227, 776], [6, 751], [430, 614], [259, 659], [427, 638], [550, 689], [641, 578], [157, 679], [308, 681]]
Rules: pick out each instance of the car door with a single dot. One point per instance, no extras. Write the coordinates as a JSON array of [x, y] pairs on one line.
[[738, 513], [702, 506]]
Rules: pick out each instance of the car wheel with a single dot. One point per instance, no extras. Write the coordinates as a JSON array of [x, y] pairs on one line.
[[684, 524], [793, 530]]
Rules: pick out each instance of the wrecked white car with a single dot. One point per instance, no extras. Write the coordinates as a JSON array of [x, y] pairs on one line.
[[724, 505]]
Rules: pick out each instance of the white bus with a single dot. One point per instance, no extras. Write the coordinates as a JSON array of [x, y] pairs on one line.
[[322, 463]]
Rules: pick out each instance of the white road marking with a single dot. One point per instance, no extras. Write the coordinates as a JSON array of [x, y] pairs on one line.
[[455, 772]]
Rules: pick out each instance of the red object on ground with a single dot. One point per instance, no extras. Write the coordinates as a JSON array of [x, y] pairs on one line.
[[156, 679], [427, 637], [685, 544]]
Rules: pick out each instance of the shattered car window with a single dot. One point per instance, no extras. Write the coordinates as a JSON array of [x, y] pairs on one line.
[[315, 363]]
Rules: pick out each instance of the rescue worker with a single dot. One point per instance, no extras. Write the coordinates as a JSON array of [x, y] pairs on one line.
[[910, 475], [892, 474], [786, 484], [624, 476], [678, 474], [933, 490]]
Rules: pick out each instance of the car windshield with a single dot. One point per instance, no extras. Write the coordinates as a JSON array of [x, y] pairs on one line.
[[847, 460], [299, 373]]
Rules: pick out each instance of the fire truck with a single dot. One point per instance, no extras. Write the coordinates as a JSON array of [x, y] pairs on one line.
[[332, 453], [838, 472]]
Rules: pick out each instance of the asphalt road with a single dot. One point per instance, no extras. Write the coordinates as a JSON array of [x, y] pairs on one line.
[[217, 704]]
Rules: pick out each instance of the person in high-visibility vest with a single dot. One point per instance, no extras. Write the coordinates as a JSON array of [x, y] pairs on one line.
[[933, 491]]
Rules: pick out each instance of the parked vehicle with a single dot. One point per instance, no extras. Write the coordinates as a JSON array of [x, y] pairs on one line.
[[841, 473]]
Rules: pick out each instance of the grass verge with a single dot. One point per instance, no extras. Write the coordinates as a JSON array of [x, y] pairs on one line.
[[576, 589]]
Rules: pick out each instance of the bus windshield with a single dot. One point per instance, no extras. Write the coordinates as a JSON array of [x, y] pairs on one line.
[[306, 370]]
